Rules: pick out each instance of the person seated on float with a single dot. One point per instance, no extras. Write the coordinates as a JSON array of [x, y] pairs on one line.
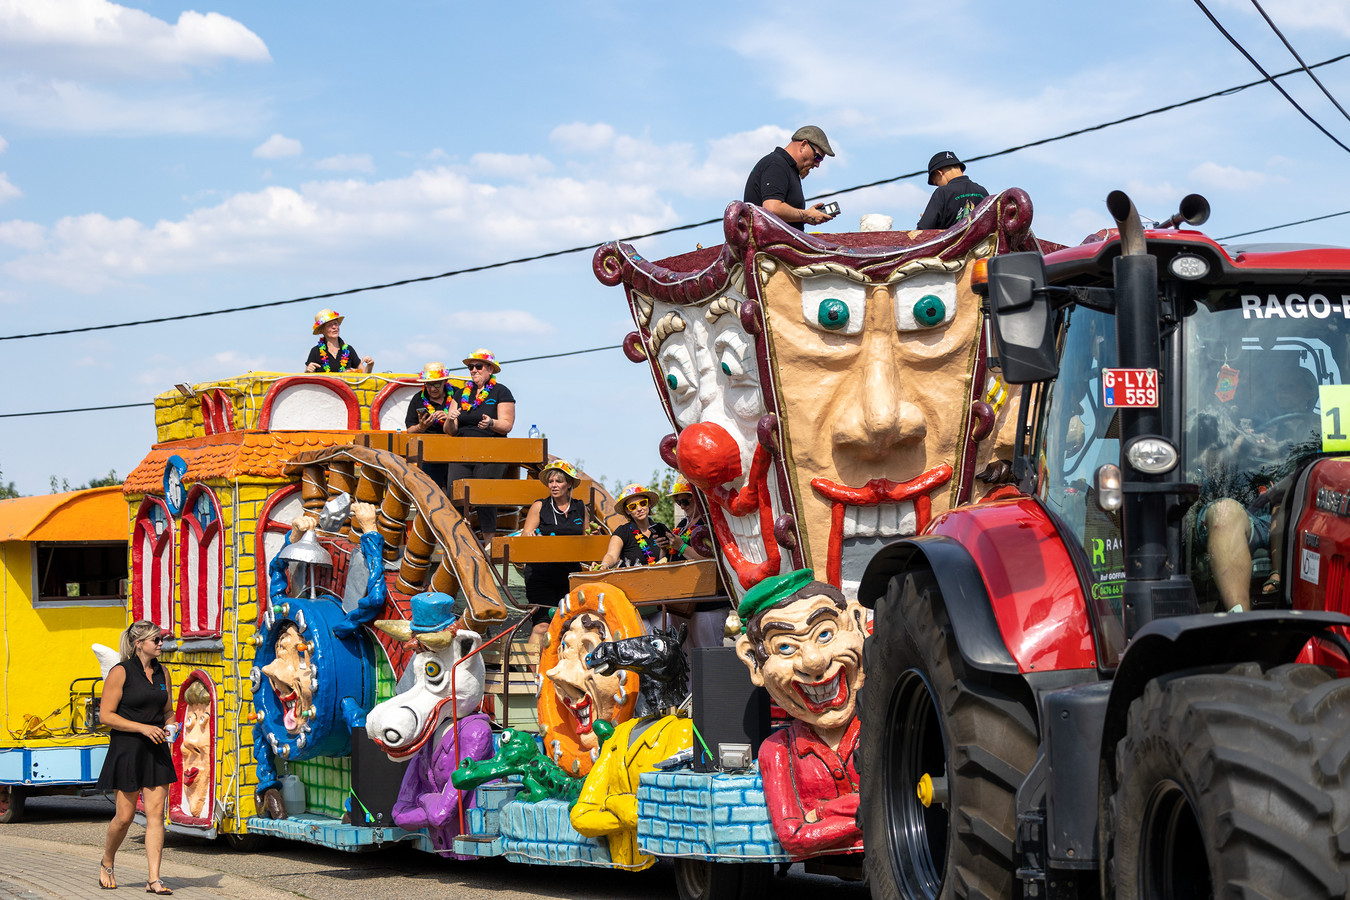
[[332, 354], [691, 522], [430, 412], [557, 514], [486, 409], [1230, 530], [640, 541]]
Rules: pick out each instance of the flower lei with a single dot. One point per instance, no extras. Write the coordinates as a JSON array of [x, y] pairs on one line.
[[645, 547], [344, 362], [427, 404], [482, 394]]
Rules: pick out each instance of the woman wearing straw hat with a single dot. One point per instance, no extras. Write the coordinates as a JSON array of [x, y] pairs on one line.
[[429, 412], [332, 354], [639, 541], [682, 538], [486, 409], [558, 513]]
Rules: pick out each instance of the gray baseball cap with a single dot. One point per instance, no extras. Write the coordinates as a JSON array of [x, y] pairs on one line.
[[817, 138]]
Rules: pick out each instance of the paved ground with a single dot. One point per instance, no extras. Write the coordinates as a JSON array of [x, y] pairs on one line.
[[54, 853]]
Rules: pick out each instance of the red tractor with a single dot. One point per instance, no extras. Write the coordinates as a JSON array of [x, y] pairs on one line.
[[1127, 677]]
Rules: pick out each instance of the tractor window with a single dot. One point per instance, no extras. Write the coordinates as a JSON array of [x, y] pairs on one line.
[[1255, 369], [1076, 436]]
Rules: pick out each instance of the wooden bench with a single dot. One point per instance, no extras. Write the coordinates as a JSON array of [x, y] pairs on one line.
[[509, 491], [511, 695], [442, 448], [679, 587], [578, 548]]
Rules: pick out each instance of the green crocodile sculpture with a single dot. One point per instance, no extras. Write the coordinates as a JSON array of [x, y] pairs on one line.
[[519, 755]]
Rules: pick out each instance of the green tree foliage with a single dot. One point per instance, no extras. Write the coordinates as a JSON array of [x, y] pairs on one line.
[[109, 480], [7, 491]]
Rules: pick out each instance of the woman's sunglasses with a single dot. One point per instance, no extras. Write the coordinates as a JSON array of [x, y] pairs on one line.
[[156, 640], [684, 501], [638, 503], [474, 367]]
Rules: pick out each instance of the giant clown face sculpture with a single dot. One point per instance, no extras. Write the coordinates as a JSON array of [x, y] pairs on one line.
[[828, 394]]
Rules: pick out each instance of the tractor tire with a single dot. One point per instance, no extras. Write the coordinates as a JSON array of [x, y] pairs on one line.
[[924, 711], [702, 879], [12, 799], [1230, 783]]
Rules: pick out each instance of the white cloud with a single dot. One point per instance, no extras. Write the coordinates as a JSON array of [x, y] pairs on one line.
[[96, 36], [278, 146], [24, 235], [510, 165], [7, 190], [1312, 15], [498, 321], [1212, 174], [4, 145], [359, 162], [581, 137]]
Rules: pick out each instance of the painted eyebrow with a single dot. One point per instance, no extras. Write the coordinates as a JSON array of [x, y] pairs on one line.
[[825, 613]]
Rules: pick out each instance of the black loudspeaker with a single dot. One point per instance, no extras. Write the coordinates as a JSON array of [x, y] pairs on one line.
[[728, 708], [375, 782]]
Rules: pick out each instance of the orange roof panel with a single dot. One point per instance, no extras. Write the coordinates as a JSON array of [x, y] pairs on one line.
[[99, 514], [260, 454]]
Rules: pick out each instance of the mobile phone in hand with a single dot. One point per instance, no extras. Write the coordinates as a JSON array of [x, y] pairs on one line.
[[830, 209]]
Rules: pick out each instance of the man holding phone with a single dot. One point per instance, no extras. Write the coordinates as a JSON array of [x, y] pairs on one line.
[[775, 182]]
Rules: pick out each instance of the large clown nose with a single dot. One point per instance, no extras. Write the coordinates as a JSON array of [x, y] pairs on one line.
[[708, 455]]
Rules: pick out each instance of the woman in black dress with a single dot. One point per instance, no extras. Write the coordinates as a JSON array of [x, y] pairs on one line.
[[486, 409], [137, 702], [558, 513], [639, 541]]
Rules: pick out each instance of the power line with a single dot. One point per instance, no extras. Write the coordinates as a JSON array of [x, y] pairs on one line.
[[1251, 59], [1290, 47], [505, 362], [1229, 237], [555, 253]]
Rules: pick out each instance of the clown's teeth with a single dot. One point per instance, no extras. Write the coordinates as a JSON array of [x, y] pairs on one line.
[[882, 520], [823, 692], [745, 529]]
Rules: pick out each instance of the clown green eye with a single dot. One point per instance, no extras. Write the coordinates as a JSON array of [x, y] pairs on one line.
[[672, 381], [832, 314], [433, 669], [929, 310]]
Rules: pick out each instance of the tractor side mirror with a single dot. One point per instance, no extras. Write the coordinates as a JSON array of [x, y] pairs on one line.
[[1022, 318]]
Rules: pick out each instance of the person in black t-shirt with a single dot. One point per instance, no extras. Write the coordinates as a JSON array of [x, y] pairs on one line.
[[429, 412], [956, 196], [331, 353], [488, 410], [639, 541], [775, 182]]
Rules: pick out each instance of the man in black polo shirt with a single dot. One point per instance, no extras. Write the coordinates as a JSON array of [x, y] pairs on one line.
[[956, 196], [775, 182]]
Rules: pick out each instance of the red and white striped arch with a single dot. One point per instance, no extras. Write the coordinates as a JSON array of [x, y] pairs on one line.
[[201, 564], [152, 564]]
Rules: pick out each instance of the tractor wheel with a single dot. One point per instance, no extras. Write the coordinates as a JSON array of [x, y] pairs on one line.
[[701, 879], [925, 712], [1233, 781], [11, 803]]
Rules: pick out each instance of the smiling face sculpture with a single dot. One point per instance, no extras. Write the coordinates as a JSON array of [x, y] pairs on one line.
[[291, 675], [828, 393], [196, 750], [573, 695]]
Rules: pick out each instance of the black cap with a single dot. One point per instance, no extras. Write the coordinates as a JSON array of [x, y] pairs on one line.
[[941, 161]]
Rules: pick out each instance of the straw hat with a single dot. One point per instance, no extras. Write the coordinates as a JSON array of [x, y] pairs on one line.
[[563, 466], [481, 355], [681, 486], [632, 492], [324, 317], [433, 371]]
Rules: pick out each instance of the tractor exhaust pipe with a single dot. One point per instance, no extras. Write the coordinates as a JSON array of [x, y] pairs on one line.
[[1121, 208]]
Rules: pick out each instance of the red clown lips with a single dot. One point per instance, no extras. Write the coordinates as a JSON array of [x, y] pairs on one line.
[[876, 491]]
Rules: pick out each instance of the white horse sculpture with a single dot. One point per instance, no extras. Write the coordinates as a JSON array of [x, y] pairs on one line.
[[422, 723]]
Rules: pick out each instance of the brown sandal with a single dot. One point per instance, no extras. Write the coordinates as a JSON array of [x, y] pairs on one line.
[[162, 890], [106, 880], [1272, 585]]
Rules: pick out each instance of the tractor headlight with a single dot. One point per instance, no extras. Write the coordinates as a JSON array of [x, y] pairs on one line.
[[1151, 455]]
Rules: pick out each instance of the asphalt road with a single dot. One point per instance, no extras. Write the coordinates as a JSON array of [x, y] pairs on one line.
[[322, 874]]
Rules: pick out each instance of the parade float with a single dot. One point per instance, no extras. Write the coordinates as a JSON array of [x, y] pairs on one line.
[[348, 655]]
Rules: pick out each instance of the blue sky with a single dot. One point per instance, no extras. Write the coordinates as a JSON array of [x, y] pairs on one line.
[[157, 159]]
